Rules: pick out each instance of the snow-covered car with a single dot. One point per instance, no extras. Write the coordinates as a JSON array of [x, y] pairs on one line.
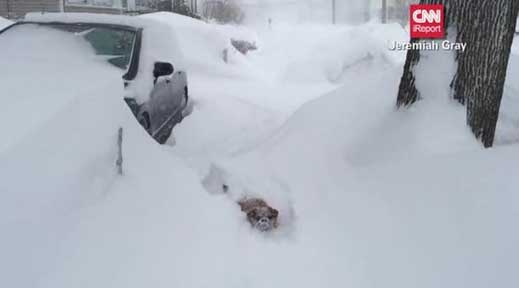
[[155, 89], [4, 23]]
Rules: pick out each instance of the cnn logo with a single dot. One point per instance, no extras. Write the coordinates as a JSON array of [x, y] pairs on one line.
[[427, 21]]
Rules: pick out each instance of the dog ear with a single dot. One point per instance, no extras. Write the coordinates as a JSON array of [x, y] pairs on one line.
[[274, 212], [243, 205]]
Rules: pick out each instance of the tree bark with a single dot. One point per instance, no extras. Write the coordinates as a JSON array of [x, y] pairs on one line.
[[487, 27], [407, 92], [485, 65]]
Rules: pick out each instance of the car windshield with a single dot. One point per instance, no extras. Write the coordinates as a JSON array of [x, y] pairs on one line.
[[111, 43]]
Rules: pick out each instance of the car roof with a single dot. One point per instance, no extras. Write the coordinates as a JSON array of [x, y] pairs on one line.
[[87, 18]]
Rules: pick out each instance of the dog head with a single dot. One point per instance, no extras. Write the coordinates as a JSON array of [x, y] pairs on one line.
[[263, 218]]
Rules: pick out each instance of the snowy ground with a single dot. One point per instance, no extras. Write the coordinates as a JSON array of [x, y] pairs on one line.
[[369, 197]]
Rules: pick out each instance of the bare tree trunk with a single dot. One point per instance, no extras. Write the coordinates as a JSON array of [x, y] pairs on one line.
[[490, 41], [407, 92], [487, 27], [467, 17]]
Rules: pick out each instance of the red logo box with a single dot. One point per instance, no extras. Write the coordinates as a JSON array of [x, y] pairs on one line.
[[427, 21]]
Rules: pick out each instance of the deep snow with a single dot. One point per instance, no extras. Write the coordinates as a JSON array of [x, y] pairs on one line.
[[56, 156], [369, 196]]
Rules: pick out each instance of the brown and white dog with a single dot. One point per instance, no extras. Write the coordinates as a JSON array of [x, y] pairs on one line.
[[260, 215]]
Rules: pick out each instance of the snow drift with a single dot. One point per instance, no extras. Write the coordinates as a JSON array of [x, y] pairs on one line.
[[374, 197], [324, 54], [379, 197]]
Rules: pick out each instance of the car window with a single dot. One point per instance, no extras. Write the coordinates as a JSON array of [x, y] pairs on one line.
[[115, 45]]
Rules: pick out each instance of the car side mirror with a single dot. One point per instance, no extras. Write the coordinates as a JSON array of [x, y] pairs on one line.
[[162, 69]]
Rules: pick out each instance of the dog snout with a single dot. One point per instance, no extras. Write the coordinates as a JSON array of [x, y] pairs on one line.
[[264, 224], [264, 220]]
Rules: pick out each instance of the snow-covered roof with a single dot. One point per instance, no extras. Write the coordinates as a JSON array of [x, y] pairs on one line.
[[86, 18], [4, 23]]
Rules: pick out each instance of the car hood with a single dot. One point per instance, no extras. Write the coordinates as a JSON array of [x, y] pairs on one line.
[[34, 97]]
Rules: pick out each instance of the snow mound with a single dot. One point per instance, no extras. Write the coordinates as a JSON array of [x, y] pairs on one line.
[[376, 197], [363, 109], [294, 65], [377, 192], [322, 53]]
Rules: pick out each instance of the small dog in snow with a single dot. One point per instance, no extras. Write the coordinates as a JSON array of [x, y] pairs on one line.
[[260, 215]]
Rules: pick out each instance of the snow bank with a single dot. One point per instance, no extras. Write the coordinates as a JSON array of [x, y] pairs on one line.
[[377, 194], [374, 196], [4, 23], [293, 65], [160, 229], [370, 196], [322, 53]]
